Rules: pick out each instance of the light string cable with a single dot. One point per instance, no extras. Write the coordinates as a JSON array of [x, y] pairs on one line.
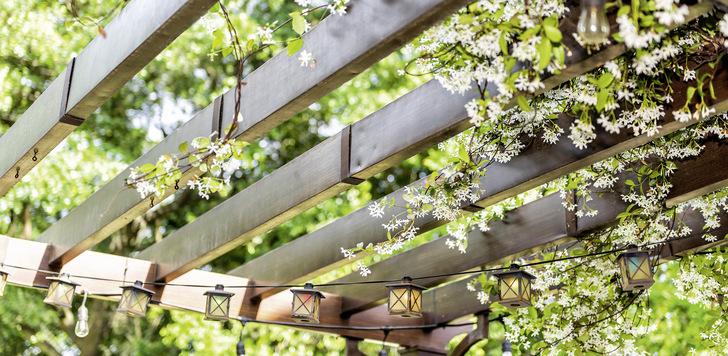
[[379, 281]]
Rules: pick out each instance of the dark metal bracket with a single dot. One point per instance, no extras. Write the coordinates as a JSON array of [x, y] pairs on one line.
[[217, 116], [346, 176], [65, 117]]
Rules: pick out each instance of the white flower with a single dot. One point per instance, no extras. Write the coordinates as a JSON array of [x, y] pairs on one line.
[[305, 58], [363, 270]]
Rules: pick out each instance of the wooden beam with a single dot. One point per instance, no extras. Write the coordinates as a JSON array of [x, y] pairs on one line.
[[538, 165], [713, 174], [24, 257], [136, 35], [344, 46], [525, 230]]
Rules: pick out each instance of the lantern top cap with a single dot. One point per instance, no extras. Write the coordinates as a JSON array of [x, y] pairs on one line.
[[138, 285], [631, 249], [219, 290], [308, 288], [514, 269], [64, 277], [406, 282]]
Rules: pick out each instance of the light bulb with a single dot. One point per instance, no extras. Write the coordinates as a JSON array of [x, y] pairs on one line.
[[506, 348], [240, 348], [593, 26], [82, 323]]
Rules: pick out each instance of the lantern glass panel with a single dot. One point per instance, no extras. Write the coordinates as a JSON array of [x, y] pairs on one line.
[[509, 287], [416, 301], [60, 293], [219, 306], [3, 281], [639, 267], [139, 302], [303, 303], [399, 299]]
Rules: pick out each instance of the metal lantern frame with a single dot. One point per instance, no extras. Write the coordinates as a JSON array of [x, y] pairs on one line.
[[306, 304], [60, 291], [217, 306], [134, 299], [405, 299], [635, 269], [3, 278], [514, 287]]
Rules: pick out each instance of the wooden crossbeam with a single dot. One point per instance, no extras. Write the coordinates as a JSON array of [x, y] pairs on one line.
[[538, 165], [344, 46], [135, 36], [22, 258], [375, 144]]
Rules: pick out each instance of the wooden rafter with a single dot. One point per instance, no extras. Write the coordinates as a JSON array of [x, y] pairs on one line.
[[103, 67], [344, 46]]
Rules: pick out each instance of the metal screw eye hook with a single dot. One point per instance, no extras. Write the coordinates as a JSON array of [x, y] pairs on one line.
[[176, 184], [151, 203], [17, 172], [35, 152]]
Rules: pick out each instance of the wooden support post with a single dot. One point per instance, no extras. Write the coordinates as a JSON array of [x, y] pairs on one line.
[[352, 347]]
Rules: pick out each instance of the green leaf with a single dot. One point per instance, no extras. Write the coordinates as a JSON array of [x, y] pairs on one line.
[[299, 23], [691, 93], [544, 54], [294, 46], [183, 147], [605, 79], [427, 207], [523, 103], [147, 168], [553, 34], [466, 19], [226, 51], [463, 154], [602, 99]]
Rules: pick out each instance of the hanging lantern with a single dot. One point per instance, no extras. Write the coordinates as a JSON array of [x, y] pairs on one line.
[[306, 304], [60, 291], [134, 299], [218, 304], [3, 278], [514, 287], [405, 299], [634, 265]]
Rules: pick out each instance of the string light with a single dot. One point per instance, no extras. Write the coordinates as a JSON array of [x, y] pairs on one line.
[[82, 329], [405, 299], [134, 299], [240, 347], [306, 304], [60, 291], [634, 266], [514, 287], [218, 304], [506, 348], [593, 26]]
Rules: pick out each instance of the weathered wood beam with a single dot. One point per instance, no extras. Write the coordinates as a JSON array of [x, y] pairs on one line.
[[527, 229], [713, 174], [344, 47], [372, 149], [538, 165], [89, 266], [136, 35]]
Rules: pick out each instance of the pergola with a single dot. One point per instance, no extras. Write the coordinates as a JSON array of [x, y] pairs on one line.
[[345, 46]]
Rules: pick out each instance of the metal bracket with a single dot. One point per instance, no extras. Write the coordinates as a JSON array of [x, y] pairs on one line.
[[471, 208], [217, 116], [64, 116], [346, 158]]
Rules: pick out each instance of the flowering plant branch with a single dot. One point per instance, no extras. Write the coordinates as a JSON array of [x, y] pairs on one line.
[[218, 156]]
